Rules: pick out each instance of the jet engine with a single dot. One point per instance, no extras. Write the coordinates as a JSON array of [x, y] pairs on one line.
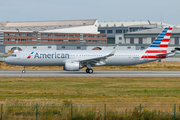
[[72, 66], [175, 49]]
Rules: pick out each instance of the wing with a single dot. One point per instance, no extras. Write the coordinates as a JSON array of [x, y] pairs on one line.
[[97, 60]]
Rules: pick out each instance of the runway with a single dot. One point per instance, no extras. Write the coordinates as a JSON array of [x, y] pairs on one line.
[[95, 74]]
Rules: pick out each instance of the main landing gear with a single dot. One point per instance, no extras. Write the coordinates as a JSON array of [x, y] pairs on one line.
[[89, 70], [23, 71]]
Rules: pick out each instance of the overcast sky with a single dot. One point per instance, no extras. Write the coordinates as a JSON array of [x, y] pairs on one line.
[[103, 10]]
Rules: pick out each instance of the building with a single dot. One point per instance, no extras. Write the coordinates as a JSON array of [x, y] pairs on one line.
[[55, 35], [142, 39], [81, 35], [115, 30]]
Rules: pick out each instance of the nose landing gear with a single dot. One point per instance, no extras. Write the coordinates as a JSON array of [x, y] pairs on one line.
[[24, 70]]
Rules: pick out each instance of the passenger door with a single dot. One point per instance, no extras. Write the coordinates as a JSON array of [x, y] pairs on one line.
[[23, 55]]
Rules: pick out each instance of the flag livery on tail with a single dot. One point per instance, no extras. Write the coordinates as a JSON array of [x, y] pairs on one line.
[[158, 49]]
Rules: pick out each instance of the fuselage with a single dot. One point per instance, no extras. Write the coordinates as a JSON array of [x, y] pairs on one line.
[[59, 57]]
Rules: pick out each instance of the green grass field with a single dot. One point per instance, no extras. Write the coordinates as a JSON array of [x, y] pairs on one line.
[[122, 96], [145, 90]]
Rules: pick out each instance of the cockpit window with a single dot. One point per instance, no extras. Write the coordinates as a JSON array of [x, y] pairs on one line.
[[13, 55]]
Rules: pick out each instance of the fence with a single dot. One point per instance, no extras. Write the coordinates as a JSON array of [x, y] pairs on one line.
[[69, 111]]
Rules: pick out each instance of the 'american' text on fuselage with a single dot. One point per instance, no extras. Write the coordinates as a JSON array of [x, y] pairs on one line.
[[49, 56]]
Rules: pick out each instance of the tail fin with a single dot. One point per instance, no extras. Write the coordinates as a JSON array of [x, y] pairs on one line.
[[159, 45]]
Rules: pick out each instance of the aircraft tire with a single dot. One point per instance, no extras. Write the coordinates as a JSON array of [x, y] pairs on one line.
[[90, 71], [23, 71], [87, 70]]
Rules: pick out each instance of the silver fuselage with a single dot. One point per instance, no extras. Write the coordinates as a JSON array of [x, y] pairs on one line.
[[59, 57]]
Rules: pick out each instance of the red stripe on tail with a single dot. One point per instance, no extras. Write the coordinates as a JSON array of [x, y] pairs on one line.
[[168, 34], [156, 51], [163, 45], [165, 40]]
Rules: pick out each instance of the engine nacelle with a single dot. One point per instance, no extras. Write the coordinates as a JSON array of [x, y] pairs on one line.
[[177, 49], [72, 66]]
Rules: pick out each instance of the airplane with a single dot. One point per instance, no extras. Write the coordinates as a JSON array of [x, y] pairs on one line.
[[176, 51], [73, 60]]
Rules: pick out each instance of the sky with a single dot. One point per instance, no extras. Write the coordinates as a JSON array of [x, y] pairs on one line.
[[103, 10]]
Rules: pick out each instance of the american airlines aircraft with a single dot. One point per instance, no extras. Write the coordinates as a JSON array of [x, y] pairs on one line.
[[73, 60]]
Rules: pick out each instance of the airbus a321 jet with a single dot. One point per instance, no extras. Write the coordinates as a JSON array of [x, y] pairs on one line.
[[73, 60]]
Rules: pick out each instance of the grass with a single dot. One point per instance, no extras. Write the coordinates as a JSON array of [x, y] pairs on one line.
[[84, 90], [122, 96], [147, 66], [80, 112]]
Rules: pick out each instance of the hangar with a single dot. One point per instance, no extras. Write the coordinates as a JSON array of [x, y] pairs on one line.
[[55, 35], [81, 35]]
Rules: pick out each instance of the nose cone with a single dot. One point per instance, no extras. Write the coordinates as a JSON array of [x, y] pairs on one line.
[[6, 60]]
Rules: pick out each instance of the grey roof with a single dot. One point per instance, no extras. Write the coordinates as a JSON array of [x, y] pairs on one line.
[[133, 24], [44, 25], [154, 31]]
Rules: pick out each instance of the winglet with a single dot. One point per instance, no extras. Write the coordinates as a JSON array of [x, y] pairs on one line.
[[113, 52]]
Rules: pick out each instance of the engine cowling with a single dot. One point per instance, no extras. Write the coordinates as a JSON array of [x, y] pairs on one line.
[[72, 66]]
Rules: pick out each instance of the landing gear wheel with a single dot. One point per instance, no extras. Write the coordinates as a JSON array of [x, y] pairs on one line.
[[87, 70], [90, 71], [23, 71]]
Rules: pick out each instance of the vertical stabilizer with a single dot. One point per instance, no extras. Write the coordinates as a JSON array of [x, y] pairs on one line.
[[159, 45]]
